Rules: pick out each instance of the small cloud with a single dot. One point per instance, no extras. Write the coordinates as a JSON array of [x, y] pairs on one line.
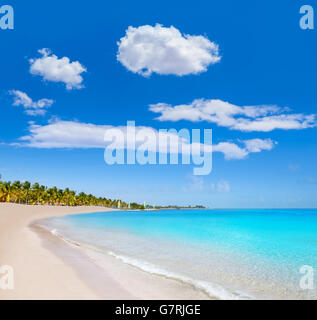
[[223, 186], [51, 68], [293, 167], [308, 180], [195, 184], [261, 198], [32, 108], [164, 51], [233, 151], [230, 150], [257, 145]]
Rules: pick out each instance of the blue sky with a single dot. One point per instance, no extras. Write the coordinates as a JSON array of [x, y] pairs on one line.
[[265, 59]]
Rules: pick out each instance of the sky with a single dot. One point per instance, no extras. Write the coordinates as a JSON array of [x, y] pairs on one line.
[[244, 69]]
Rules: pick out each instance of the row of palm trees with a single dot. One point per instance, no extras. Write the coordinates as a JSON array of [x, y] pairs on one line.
[[36, 194]]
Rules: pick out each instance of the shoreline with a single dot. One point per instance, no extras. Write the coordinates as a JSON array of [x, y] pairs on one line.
[[46, 267]]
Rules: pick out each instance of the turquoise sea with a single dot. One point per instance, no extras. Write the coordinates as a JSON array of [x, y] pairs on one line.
[[229, 254]]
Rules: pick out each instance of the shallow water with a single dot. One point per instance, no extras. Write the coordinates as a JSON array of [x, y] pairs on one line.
[[229, 254]]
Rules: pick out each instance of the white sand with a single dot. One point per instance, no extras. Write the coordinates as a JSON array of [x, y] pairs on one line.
[[46, 267]]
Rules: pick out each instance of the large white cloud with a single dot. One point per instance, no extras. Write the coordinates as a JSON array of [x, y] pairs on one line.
[[71, 134], [51, 68], [162, 50], [32, 108], [246, 118]]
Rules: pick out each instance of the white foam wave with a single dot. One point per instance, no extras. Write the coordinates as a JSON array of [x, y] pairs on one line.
[[213, 290], [54, 232]]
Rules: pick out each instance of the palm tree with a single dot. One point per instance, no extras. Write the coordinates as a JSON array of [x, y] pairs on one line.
[[42, 193], [50, 195], [26, 187], [6, 192], [17, 189], [82, 198], [59, 196], [67, 195], [72, 201], [39, 194], [36, 190], [54, 190]]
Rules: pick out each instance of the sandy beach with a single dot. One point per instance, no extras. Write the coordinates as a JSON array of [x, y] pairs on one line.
[[46, 267]]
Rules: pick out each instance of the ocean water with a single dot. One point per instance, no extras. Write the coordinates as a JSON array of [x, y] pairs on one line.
[[229, 254]]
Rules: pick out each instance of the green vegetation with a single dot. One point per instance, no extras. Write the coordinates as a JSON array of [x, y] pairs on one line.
[[36, 194], [26, 193]]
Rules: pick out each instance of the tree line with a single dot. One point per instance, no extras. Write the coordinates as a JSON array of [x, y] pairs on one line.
[[36, 194]]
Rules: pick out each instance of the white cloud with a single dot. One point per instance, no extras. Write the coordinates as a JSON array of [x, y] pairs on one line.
[[222, 186], [198, 184], [58, 70], [246, 118], [162, 50], [234, 151], [65, 134], [32, 108], [293, 167], [71, 134], [257, 145], [230, 150], [195, 184]]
